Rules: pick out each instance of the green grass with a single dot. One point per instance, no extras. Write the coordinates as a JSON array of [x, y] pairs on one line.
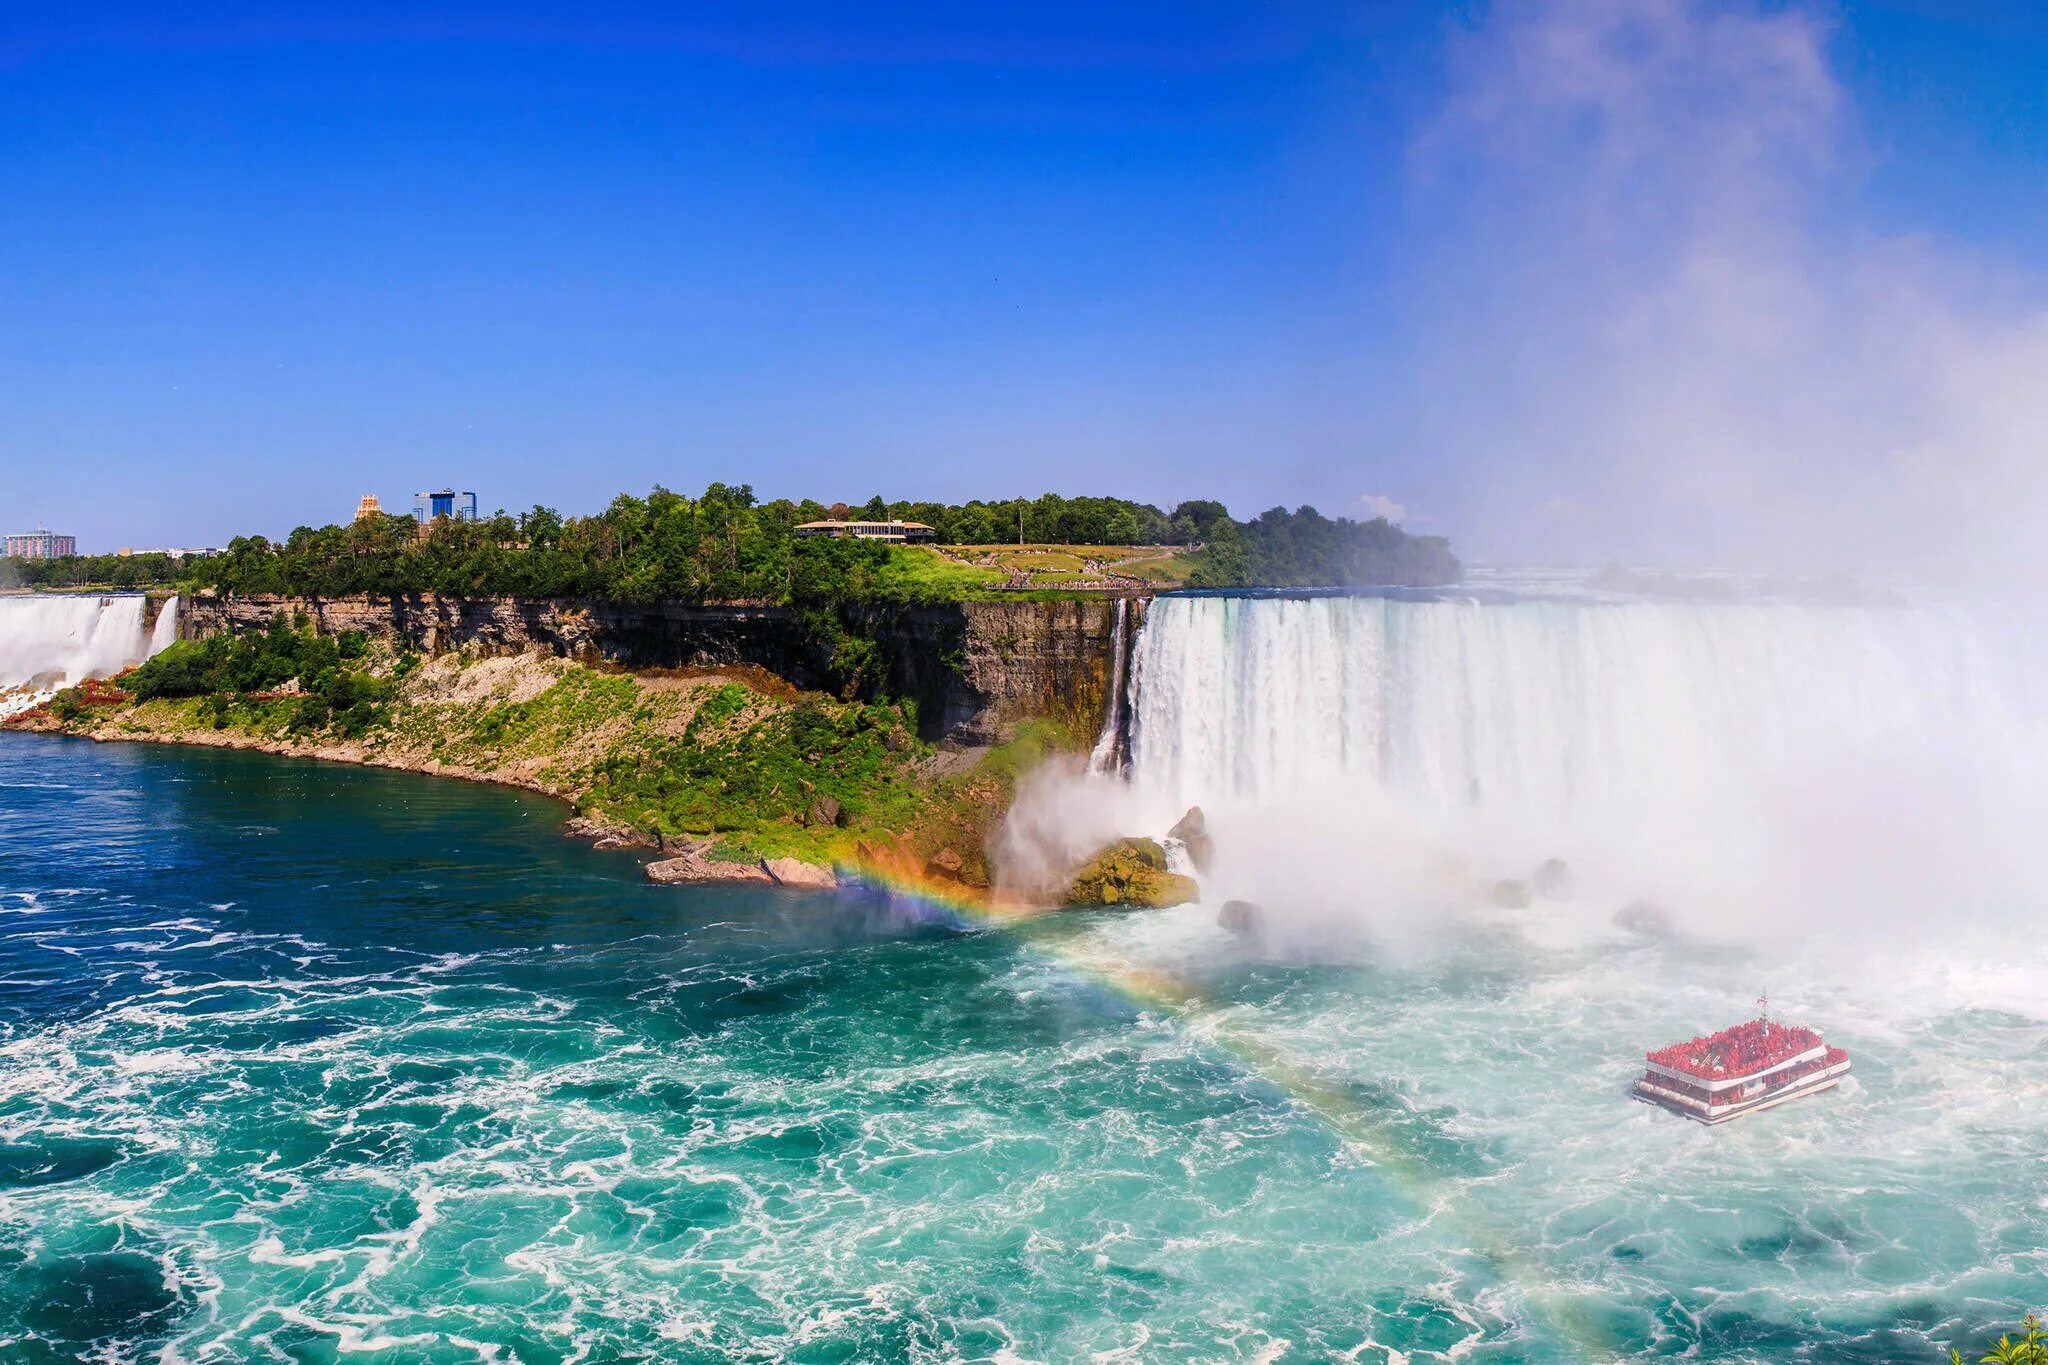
[[1057, 567], [916, 571]]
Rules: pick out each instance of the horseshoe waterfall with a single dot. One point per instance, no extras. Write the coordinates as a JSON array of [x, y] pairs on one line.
[[1782, 758]]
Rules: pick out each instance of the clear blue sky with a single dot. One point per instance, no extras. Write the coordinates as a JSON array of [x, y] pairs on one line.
[[258, 260]]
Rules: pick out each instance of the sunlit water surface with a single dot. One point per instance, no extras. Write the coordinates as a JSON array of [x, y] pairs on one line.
[[300, 1062]]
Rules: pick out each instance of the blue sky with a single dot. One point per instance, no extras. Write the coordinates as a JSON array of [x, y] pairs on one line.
[[260, 260]]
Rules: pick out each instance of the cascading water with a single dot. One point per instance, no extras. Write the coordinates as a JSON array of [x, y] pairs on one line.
[[1750, 750], [49, 642], [165, 632], [1104, 757]]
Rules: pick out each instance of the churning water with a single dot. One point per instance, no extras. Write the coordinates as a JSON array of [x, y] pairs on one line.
[[305, 1062]]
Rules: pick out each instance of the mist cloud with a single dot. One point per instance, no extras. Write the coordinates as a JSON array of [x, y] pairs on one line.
[[1380, 505], [1644, 292]]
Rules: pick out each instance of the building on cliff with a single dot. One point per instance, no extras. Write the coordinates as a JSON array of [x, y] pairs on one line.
[[898, 531], [430, 507], [41, 543]]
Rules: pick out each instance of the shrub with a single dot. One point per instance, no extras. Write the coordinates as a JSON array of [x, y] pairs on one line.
[[2029, 1348], [311, 713]]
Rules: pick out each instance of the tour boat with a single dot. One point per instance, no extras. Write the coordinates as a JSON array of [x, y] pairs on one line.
[[1740, 1070]]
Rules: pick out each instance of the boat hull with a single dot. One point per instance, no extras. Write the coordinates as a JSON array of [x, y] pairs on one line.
[[1810, 1084]]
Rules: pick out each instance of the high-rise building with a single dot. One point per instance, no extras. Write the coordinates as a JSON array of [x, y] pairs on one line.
[[369, 508], [41, 543], [428, 507]]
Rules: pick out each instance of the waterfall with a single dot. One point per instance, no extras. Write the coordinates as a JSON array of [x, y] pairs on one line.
[[1104, 757], [165, 633], [48, 642], [1801, 744]]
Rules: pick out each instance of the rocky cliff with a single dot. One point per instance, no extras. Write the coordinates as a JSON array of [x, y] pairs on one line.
[[976, 669]]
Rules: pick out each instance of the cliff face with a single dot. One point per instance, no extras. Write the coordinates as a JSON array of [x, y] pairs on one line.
[[977, 669]]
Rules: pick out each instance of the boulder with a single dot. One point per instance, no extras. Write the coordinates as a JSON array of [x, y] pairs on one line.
[[1510, 894], [1130, 872], [1552, 878], [1241, 918], [826, 810], [945, 864], [798, 873], [1193, 832], [690, 868], [1644, 918]]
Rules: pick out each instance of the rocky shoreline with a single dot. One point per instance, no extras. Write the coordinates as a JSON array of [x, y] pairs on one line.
[[717, 775]]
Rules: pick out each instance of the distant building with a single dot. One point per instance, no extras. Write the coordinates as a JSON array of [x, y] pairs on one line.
[[186, 552], [369, 509], [869, 530], [428, 507], [41, 543]]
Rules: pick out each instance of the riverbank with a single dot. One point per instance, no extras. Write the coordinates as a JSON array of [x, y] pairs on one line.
[[718, 773]]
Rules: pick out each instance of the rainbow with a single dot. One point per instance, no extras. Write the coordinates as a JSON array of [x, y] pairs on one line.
[[916, 900]]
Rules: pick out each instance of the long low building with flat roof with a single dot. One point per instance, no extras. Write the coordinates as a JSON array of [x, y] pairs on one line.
[[870, 530]]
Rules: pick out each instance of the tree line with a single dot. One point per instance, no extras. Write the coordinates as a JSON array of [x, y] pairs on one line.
[[725, 545]]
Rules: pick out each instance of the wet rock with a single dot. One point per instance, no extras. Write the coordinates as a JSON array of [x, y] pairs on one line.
[[946, 864], [609, 834], [1130, 872], [1551, 879], [691, 868], [1242, 918], [795, 872], [1193, 832], [1510, 894], [1642, 917]]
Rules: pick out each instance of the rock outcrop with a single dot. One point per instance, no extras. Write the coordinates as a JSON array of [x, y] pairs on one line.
[[693, 866], [1242, 918], [796, 873], [1192, 830], [605, 834], [1552, 878], [1130, 872]]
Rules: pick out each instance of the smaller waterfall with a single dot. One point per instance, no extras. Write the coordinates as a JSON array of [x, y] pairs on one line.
[[54, 641], [1107, 754], [165, 632]]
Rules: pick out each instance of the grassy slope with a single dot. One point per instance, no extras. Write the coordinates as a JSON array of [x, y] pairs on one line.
[[982, 569]]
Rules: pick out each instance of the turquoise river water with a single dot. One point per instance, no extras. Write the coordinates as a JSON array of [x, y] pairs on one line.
[[303, 1062]]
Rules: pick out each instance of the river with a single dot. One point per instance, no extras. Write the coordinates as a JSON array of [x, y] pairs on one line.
[[300, 1061]]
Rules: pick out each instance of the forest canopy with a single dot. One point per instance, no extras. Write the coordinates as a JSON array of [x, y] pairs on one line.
[[726, 546]]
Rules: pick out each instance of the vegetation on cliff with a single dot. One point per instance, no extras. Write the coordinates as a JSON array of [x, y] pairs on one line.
[[734, 762], [323, 676], [726, 546]]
